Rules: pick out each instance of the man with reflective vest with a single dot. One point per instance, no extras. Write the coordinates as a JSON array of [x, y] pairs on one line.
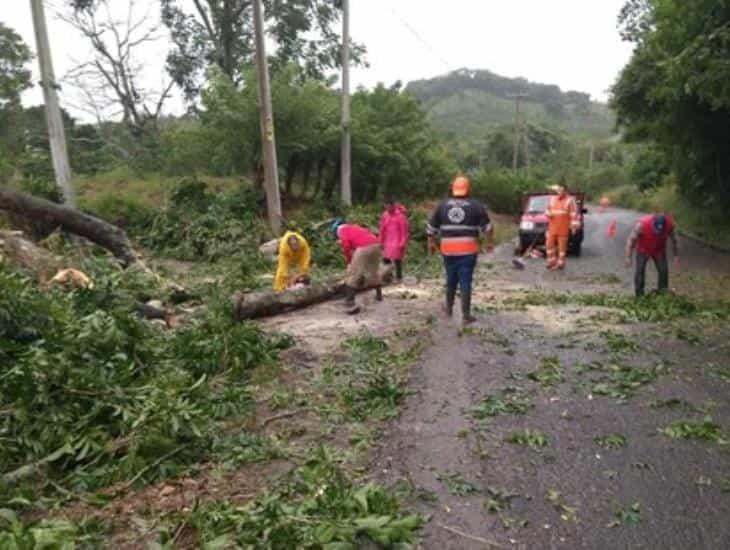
[[363, 253], [459, 222], [649, 239], [562, 214]]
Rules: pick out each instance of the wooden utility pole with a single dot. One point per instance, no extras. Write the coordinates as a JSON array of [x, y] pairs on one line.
[[56, 133], [346, 164], [268, 141], [518, 129]]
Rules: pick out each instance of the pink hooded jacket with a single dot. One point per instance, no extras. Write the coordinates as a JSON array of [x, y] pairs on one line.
[[394, 233]]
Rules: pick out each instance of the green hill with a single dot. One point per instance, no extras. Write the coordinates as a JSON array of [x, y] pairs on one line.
[[470, 103]]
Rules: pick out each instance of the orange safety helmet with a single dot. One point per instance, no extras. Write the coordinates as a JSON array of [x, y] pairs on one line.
[[460, 187]]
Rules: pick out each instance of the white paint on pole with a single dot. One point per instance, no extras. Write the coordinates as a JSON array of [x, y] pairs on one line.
[[56, 134], [268, 140], [346, 155]]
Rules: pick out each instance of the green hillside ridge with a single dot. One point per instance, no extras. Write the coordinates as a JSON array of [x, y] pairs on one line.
[[470, 102]]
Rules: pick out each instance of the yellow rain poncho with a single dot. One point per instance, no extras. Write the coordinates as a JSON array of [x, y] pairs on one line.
[[301, 258]]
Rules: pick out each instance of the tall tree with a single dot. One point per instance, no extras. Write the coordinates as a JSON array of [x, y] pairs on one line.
[[111, 80], [14, 78], [220, 33], [675, 91], [14, 57]]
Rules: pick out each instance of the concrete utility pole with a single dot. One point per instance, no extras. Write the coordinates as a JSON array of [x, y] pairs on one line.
[[56, 133], [518, 99], [346, 164], [268, 143]]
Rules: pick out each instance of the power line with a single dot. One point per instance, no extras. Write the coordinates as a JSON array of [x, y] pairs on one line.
[[422, 40]]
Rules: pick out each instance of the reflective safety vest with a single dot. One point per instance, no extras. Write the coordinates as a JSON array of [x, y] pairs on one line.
[[458, 223], [563, 215], [649, 243]]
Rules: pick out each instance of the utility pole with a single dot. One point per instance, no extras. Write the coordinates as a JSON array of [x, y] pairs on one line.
[[268, 143], [56, 133], [518, 130], [346, 164]]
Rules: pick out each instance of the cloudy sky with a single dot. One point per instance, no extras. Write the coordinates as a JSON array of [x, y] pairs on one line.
[[571, 43]]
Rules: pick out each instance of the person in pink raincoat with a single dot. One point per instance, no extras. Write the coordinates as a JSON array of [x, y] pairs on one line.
[[394, 235]]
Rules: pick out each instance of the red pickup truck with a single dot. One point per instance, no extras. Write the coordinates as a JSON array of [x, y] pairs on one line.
[[534, 222]]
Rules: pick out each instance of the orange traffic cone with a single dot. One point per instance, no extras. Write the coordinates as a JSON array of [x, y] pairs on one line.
[[612, 227]]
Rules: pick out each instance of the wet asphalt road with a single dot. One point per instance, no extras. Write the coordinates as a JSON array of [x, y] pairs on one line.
[[566, 494]]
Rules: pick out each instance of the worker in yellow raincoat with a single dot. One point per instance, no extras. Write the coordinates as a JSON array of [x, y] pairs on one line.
[[293, 249]]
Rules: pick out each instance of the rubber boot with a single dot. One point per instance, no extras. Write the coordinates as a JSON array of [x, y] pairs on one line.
[[449, 305], [466, 317], [351, 306], [379, 294]]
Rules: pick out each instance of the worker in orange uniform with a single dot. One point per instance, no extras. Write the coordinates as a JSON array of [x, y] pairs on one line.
[[562, 214]]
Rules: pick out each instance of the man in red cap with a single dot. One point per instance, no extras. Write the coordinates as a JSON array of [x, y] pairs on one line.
[[649, 239], [459, 222]]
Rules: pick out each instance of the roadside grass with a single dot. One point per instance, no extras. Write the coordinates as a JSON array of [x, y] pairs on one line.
[[704, 430], [611, 441], [51, 534], [499, 500], [528, 438], [619, 343], [96, 397], [674, 403], [624, 380], [317, 506], [508, 403], [457, 484], [370, 382], [549, 373], [651, 308], [707, 222], [630, 515]]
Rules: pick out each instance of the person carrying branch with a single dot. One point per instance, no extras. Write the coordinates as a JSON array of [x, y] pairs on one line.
[[459, 222], [363, 253], [293, 250], [394, 235], [649, 239]]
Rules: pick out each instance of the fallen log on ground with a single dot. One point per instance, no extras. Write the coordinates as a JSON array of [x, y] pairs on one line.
[[98, 231], [268, 303]]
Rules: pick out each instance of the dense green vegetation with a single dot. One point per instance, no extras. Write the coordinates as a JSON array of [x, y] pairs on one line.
[[97, 401], [674, 95], [468, 102]]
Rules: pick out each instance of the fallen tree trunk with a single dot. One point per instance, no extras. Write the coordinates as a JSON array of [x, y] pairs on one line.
[[265, 304], [97, 231]]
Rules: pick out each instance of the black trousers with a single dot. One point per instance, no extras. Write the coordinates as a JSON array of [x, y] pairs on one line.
[[398, 267], [662, 267]]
